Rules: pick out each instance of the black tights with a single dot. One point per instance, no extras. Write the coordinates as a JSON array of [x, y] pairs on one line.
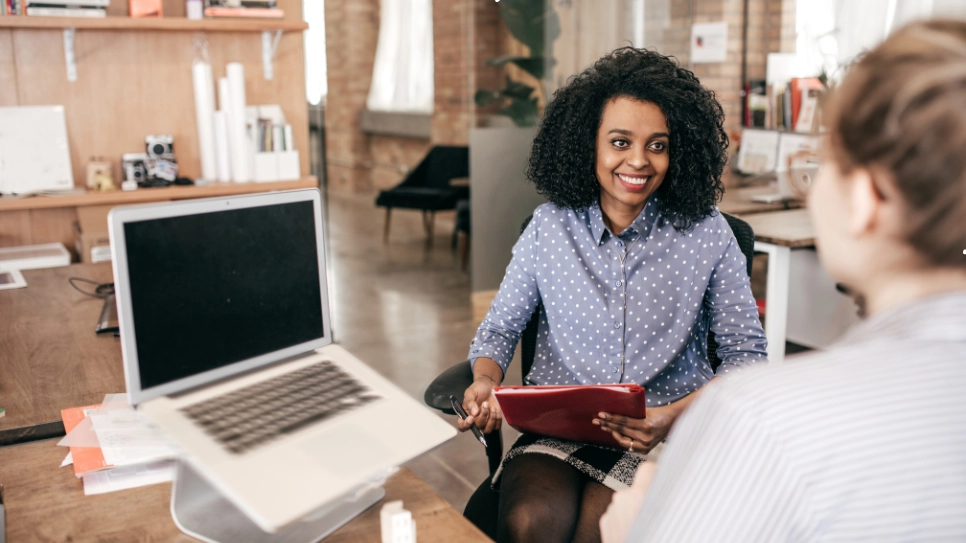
[[547, 500]]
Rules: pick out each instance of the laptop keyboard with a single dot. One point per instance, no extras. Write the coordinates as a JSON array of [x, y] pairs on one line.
[[255, 415]]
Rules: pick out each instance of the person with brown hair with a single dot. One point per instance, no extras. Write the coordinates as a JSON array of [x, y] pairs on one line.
[[866, 441]]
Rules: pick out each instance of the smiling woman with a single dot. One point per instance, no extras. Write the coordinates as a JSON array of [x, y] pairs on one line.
[[633, 267]]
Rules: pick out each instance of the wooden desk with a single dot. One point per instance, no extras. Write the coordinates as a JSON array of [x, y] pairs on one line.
[[814, 313], [51, 358], [792, 229], [738, 201], [47, 503]]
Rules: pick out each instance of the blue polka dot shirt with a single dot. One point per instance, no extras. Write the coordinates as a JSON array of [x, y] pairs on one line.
[[628, 308]]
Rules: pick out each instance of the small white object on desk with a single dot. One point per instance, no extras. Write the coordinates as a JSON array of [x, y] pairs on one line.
[[129, 185], [33, 257], [398, 525]]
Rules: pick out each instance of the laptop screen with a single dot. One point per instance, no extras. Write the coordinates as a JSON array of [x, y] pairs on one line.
[[211, 289]]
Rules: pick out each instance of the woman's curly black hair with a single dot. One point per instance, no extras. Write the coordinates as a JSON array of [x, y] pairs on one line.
[[563, 156]]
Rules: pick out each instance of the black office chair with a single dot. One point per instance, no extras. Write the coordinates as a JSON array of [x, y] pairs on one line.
[[483, 505], [427, 187]]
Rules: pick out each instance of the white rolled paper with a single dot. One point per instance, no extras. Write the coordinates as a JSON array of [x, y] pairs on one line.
[[237, 135], [224, 102], [221, 147], [204, 118]]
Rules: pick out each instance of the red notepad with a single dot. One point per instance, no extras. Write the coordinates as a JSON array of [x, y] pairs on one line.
[[567, 411]]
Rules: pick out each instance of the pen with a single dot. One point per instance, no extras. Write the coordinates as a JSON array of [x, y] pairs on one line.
[[462, 415]]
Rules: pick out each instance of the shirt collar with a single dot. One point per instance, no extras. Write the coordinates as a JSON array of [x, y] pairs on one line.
[[936, 318], [642, 224]]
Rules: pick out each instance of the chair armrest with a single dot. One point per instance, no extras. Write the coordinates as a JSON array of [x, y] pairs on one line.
[[454, 381]]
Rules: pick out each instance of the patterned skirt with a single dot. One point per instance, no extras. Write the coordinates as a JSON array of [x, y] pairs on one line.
[[613, 468]]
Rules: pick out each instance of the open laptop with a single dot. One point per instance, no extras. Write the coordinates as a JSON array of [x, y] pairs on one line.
[[227, 345]]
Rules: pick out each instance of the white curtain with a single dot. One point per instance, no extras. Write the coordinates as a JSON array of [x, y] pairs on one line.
[[590, 29], [402, 76], [313, 11]]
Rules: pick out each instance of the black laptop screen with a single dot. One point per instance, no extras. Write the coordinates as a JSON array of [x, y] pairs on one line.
[[217, 288]]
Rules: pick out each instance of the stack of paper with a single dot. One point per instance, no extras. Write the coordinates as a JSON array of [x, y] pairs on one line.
[[113, 448]]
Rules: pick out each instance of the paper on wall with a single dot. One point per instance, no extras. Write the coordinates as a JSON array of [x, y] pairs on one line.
[[709, 42]]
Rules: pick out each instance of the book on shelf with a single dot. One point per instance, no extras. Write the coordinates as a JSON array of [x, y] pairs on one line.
[[62, 10], [12, 7], [69, 4], [265, 9], [258, 13]]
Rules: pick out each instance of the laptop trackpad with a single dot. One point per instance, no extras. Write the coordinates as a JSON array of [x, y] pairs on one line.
[[347, 449]]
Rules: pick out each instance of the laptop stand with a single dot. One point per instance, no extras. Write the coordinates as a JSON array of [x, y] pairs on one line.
[[202, 512]]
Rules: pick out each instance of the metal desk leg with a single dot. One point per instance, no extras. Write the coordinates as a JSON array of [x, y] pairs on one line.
[[776, 303]]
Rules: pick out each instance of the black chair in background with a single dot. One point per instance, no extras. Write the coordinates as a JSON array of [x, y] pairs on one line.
[[427, 187], [483, 505]]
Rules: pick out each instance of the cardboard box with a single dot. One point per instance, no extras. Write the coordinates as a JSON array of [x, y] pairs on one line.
[[91, 230]]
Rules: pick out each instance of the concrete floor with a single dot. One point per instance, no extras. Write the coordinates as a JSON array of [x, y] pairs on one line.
[[404, 309]]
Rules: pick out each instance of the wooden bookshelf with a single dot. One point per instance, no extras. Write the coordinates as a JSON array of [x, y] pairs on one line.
[[174, 24], [133, 78], [139, 196]]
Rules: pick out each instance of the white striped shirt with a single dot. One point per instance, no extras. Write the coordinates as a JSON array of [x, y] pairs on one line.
[[864, 442]]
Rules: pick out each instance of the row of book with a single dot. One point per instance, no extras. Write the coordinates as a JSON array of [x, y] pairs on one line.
[[98, 8], [86, 8], [263, 9], [794, 106]]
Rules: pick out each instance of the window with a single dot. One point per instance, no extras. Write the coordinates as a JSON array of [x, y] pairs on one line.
[[831, 33], [402, 75], [316, 85]]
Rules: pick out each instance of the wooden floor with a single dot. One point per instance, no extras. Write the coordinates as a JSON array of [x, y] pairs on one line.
[[404, 309]]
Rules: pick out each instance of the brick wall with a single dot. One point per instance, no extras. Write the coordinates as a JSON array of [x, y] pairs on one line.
[[465, 34], [351, 30], [468, 32]]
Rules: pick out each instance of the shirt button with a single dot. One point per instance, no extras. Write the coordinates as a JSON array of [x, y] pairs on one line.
[[617, 325], [619, 283], [614, 370], [620, 243]]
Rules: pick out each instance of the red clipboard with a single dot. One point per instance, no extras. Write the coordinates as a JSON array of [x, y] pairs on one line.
[[566, 412]]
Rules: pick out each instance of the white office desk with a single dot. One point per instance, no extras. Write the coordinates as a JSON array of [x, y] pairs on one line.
[[813, 313]]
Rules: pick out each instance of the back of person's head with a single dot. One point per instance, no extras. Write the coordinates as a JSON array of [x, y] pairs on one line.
[[900, 114]]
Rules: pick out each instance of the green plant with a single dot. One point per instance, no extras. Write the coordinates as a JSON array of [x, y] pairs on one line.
[[533, 23]]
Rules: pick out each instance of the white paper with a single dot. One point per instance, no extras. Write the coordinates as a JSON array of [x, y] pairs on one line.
[[68, 460], [204, 118], [709, 42], [114, 479], [241, 154], [127, 438], [222, 151], [759, 151]]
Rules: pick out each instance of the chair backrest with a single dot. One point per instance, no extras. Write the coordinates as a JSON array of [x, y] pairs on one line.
[[528, 341], [439, 166]]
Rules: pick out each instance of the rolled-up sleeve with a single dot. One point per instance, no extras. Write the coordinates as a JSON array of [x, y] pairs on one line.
[[733, 312], [515, 302]]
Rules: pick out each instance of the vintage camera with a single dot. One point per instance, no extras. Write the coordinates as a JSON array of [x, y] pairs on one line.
[[134, 169], [160, 146]]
